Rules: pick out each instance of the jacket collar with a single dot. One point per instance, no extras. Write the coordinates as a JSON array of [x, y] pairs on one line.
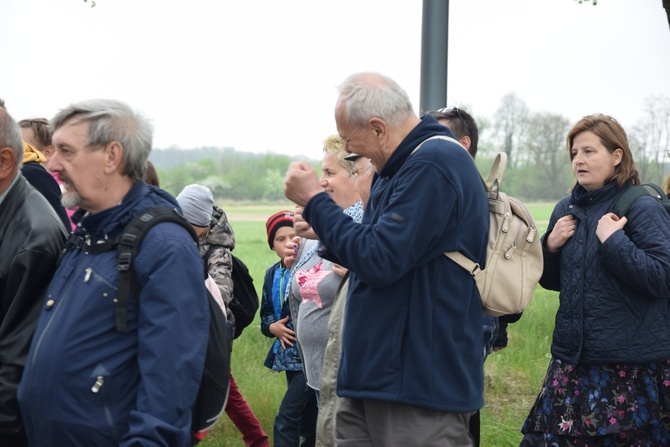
[[428, 127], [112, 220], [582, 197]]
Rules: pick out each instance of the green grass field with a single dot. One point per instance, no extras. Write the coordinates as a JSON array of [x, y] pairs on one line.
[[513, 375]]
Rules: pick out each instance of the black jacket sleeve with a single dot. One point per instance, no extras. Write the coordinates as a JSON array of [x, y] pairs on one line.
[[42, 181]]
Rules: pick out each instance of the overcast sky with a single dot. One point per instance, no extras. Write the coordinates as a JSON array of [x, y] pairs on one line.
[[261, 75]]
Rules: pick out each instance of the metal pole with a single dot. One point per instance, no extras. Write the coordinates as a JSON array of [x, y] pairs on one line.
[[434, 52]]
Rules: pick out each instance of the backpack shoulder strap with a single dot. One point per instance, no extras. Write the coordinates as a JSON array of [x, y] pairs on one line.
[[127, 248], [655, 191], [496, 174], [627, 198], [453, 140], [464, 262], [438, 137]]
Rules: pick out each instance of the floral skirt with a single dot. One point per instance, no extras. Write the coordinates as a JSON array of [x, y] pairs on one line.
[[605, 405]]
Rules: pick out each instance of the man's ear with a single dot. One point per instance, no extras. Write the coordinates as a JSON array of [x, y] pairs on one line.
[[113, 157], [7, 163], [48, 151], [466, 142], [379, 127]]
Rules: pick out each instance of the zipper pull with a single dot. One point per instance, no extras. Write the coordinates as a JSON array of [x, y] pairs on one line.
[[88, 274], [98, 384], [508, 253]]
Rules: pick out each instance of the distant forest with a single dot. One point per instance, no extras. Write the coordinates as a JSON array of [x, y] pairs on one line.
[[169, 158], [538, 169], [230, 174]]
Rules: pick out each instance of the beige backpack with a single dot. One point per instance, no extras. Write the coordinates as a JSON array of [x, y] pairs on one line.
[[514, 260], [514, 255]]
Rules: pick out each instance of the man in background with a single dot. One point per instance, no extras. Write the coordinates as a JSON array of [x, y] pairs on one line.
[[37, 134], [40, 178], [31, 237]]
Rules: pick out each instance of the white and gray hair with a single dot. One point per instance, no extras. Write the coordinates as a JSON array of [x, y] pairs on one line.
[[113, 120], [373, 95]]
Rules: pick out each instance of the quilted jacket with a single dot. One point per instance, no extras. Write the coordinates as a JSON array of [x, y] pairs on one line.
[[614, 296]]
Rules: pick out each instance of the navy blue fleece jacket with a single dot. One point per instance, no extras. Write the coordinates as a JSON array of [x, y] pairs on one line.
[[413, 322]]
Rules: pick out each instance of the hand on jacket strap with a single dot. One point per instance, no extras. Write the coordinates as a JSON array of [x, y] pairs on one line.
[[609, 224], [563, 230]]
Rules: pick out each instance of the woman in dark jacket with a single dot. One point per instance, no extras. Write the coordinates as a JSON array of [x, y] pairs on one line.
[[608, 382]]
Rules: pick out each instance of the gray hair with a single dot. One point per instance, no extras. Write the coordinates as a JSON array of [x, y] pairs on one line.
[[10, 136], [373, 95], [113, 120], [370, 168]]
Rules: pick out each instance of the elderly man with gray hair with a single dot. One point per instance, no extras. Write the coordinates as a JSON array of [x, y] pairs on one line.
[[31, 237], [90, 381], [411, 371]]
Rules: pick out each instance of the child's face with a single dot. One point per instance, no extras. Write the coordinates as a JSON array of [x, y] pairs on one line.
[[282, 236]]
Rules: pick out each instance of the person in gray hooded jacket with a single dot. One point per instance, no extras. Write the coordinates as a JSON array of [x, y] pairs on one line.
[[217, 240]]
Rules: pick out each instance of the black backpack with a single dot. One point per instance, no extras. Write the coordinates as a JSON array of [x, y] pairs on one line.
[[244, 303], [632, 193], [213, 391]]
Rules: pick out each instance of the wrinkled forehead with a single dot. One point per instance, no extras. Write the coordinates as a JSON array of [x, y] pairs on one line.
[[70, 132]]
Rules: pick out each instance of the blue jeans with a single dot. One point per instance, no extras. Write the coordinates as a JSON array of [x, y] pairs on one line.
[[297, 414]]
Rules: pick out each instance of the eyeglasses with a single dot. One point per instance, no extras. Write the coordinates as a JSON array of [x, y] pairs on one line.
[[354, 172], [450, 110]]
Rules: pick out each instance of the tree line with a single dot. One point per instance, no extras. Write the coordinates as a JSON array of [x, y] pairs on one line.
[[230, 174], [535, 143]]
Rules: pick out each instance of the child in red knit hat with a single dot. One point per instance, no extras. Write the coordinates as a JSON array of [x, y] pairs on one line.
[[299, 402]]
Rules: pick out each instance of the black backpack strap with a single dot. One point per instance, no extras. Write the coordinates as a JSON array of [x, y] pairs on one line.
[[128, 245], [655, 191], [84, 243], [627, 198]]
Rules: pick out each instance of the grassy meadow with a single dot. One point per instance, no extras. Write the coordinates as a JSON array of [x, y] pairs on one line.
[[513, 375]]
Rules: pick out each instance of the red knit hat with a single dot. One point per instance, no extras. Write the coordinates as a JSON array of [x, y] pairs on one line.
[[276, 221]]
